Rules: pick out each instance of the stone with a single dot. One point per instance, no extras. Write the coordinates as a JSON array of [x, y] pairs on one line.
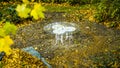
[[35, 53]]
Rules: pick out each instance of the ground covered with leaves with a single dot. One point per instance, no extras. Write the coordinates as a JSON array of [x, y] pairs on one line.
[[21, 59], [94, 46]]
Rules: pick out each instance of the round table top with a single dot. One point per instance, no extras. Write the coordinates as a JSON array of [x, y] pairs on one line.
[[61, 28]]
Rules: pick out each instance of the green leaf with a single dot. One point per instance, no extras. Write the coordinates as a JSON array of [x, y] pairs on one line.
[[9, 28]]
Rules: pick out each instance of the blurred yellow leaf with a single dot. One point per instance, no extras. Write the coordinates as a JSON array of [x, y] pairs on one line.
[[23, 11], [2, 32], [37, 11], [7, 50], [8, 40], [1, 44], [34, 14], [25, 1], [32, 0], [5, 44]]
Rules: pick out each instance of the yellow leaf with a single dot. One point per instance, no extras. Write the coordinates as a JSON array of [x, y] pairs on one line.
[[32, 0], [5, 44], [8, 40], [2, 32], [41, 14], [2, 43], [34, 14], [23, 11], [38, 6], [25, 1], [7, 50], [37, 11]]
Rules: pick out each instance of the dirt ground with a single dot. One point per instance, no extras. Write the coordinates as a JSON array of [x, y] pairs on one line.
[[93, 45]]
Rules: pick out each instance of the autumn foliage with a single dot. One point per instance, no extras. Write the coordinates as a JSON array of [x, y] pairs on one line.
[[5, 40], [35, 11]]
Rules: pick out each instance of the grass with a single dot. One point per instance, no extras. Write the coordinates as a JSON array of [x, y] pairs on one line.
[[61, 8], [66, 7]]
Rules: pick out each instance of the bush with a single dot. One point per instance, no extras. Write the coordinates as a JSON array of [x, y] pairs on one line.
[[8, 13], [8, 0], [108, 10], [72, 2], [95, 1]]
